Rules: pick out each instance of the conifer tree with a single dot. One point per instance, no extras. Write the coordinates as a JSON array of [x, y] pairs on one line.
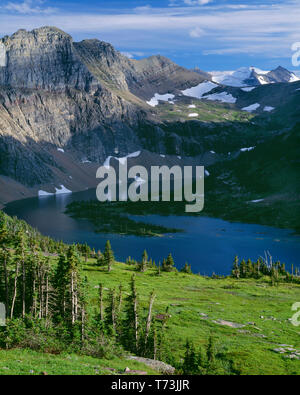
[[101, 302], [211, 351], [236, 271], [149, 317], [131, 322], [168, 264], [67, 280], [73, 263], [21, 256], [111, 310], [120, 298], [61, 282], [4, 235], [108, 256], [144, 262], [243, 269], [86, 251], [190, 363], [249, 268], [186, 268]]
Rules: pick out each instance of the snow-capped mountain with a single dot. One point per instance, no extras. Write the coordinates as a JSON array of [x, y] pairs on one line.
[[252, 76]]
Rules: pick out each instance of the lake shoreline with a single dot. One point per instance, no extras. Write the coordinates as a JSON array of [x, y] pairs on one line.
[[207, 243]]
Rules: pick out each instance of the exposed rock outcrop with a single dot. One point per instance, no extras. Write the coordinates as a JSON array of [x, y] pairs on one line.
[[86, 97]]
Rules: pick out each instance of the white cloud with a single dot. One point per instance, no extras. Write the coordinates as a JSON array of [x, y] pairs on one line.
[[28, 7], [255, 30], [197, 32], [132, 55], [197, 2], [144, 9], [128, 55]]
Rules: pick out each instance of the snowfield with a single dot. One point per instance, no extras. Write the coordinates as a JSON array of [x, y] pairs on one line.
[[262, 80], [59, 191], [155, 99], [199, 90], [60, 150], [63, 190], [235, 78], [247, 149], [205, 87], [251, 108], [294, 78], [224, 97], [193, 114], [248, 88], [269, 108]]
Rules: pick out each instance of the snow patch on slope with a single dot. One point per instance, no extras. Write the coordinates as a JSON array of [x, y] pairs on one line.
[[294, 78], [235, 78], [106, 164], [251, 108], [269, 108], [157, 97], [247, 149], [248, 88], [58, 191], [63, 190], [261, 80], [199, 90], [222, 96]]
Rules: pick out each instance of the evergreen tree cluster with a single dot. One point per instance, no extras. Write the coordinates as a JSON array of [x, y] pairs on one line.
[[202, 361], [168, 264], [262, 267], [46, 299]]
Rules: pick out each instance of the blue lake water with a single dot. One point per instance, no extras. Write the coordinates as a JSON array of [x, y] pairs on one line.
[[208, 244]]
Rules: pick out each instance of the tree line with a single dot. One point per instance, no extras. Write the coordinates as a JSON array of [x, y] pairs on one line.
[[264, 267], [46, 299]]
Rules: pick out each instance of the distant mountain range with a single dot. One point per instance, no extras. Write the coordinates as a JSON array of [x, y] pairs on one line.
[[252, 76], [66, 106]]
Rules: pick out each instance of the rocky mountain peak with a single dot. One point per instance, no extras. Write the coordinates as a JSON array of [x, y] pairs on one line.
[[43, 58]]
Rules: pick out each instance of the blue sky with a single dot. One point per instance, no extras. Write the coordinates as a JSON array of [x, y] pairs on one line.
[[210, 34]]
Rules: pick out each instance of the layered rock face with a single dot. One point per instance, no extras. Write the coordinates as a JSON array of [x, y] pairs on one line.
[[143, 78], [43, 59], [49, 96], [85, 97]]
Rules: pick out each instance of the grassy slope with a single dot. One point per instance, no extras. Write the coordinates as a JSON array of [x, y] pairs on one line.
[[207, 111], [26, 362], [240, 301], [249, 350]]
